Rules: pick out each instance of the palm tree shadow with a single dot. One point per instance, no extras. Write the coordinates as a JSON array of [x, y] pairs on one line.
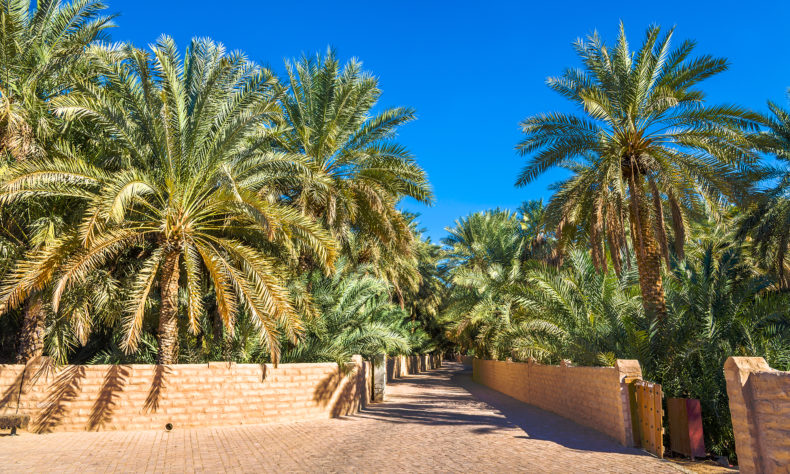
[[540, 424], [114, 381], [347, 400], [158, 385], [33, 370], [13, 393], [66, 387], [326, 388]]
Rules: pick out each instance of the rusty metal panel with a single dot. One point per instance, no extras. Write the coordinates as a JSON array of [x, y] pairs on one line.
[[685, 427]]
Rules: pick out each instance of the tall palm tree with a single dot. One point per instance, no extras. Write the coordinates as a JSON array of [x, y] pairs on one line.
[[354, 173], [41, 51], [181, 190], [768, 223], [645, 129]]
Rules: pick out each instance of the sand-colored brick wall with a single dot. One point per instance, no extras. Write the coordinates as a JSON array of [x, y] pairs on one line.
[[759, 400], [133, 397], [592, 396]]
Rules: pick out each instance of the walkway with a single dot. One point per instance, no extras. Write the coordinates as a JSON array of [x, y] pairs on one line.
[[440, 421]]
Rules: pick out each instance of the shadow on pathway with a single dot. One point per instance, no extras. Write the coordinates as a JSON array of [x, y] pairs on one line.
[[449, 396]]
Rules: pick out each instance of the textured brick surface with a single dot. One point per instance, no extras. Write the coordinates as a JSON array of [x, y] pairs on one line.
[[435, 422], [591, 396], [134, 397], [759, 400]]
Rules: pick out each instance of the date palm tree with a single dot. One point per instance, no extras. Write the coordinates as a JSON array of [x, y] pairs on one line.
[[356, 317], [354, 174], [645, 129], [41, 51], [484, 253], [181, 190], [577, 312]]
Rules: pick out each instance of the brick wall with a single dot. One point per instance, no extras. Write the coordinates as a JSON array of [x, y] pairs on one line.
[[133, 397], [759, 400], [592, 396]]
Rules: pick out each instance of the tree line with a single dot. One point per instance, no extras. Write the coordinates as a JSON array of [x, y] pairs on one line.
[[161, 205]]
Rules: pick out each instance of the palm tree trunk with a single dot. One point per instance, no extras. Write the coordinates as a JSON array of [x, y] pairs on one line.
[[614, 236], [678, 227], [31, 334], [780, 261], [167, 335], [558, 252], [18, 141], [658, 222], [648, 255], [596, 238]]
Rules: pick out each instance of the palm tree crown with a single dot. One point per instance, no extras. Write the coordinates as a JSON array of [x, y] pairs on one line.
[[768, 223], [40, 54], [354, 174]]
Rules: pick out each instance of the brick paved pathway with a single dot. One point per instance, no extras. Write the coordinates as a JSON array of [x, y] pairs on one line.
[[440, 421]]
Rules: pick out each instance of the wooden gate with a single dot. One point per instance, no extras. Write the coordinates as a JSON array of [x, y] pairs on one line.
[[648, 415]]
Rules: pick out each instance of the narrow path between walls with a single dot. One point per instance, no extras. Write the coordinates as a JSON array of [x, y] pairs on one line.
[[439, 421]]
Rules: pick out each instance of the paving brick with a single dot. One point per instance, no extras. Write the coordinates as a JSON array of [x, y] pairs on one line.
[[439, 421]]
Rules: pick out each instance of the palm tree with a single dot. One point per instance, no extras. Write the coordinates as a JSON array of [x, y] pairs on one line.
[[182, 190], [577, 312], [484, 255], [356, 317], [534, 229], [645, 129], [768, 223], [41, 51], [426, 297], [353, 173], [484, 238]]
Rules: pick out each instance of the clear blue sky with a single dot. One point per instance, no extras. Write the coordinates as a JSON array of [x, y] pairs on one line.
[[473, 70]]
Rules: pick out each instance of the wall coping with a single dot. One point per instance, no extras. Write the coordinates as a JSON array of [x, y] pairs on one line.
[[206, 365], [617, 366]]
